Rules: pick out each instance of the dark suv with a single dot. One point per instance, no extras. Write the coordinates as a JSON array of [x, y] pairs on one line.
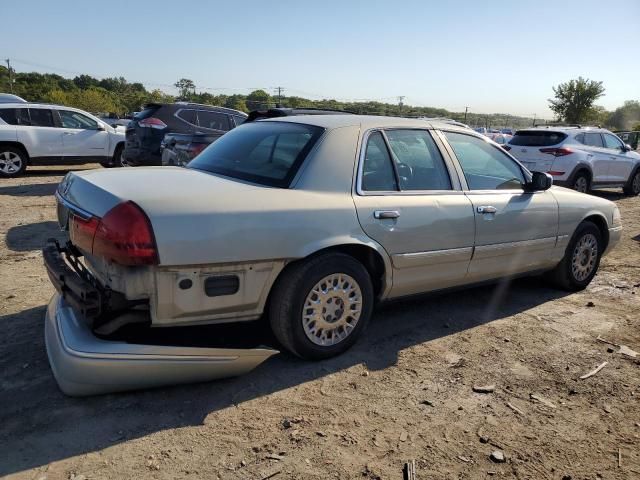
[[146, 131]]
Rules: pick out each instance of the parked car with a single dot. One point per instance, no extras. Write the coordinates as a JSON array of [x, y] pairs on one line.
[[180, 148], [42, 134], [582, 158], [630, 138], [307, 220], [147, 129], [508, 131], [11, 98]]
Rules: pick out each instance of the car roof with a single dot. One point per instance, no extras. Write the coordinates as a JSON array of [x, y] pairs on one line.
[[565, 129], [179, 105], [365, 121], [11, 98]]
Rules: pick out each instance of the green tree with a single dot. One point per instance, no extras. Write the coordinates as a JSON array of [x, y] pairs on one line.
[[574, 100], [185, 88], [257, 99], [86, 81], [625, 116]]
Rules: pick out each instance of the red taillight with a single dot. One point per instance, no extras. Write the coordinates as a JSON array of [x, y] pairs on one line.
[[124, 235], [557, 152], [555, 174], [82, 232], [152, 122], [196, 148]]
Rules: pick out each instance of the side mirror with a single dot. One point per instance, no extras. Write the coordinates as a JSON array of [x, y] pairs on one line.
[[626, 148], [539, 181], [100, 128]]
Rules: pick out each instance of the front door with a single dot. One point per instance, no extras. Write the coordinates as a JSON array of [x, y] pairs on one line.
[[621, 162], [81, 136], [409, 200], [516, 231]]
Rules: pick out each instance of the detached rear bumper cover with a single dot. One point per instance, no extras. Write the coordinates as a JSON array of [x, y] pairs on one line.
[[86, 365]]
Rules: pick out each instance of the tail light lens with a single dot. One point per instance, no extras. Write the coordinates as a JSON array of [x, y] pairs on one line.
[[124, 236], [196, 148], [557, 152], [152, 122]]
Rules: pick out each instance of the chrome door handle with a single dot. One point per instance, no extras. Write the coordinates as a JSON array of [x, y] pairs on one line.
[[68, 133], [386, 214], [487, 209]]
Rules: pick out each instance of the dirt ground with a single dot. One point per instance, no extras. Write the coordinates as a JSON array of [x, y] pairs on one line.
[[404, 392]]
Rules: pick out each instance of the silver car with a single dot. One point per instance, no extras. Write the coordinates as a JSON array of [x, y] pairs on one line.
[[306, 222]]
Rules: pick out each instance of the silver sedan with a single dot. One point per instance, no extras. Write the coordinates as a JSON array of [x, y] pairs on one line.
[[308, 221]]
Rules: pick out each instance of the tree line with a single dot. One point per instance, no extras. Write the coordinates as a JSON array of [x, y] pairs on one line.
[[117, 95]]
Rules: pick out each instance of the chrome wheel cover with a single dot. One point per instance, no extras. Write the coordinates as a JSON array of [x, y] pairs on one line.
[[584, 257], [581, 184], [10, 162], [332, 309]]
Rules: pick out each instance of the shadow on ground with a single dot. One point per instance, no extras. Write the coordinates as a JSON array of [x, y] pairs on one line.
[[31, 190], [31, 236], [39, 425]]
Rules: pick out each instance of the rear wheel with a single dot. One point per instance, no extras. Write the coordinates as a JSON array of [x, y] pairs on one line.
[[581, 182], [320, 307], [13, 161], [581, 259], [633, 185], [117, 160]]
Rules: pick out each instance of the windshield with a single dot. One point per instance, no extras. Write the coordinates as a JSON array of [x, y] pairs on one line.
[[269, 153]]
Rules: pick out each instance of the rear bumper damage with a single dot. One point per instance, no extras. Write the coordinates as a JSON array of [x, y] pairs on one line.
[[86, 365]]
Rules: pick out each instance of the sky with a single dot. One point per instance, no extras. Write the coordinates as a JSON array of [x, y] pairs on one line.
[[492, 56]]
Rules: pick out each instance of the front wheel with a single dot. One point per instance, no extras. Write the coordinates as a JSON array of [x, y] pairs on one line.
[[319, 307], [633, 186], [581, 259], [117, 160]]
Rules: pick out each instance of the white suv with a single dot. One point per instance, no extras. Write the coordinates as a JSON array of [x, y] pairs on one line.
[[40, 134], [581, 158]]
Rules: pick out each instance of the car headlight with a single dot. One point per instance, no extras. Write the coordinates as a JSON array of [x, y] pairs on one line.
[[617, 219]]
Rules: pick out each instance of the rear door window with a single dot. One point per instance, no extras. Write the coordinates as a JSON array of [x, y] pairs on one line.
[[377, 169], [537, 138], [593, 140], [41, 117], [418, 161], [213, 120]]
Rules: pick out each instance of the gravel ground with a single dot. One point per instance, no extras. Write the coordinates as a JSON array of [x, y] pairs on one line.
[[404, 392]]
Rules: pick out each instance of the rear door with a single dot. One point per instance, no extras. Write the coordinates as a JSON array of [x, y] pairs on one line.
[[528, 147], [598, 156], [82, 136], [515, 230], [410, 201], [621, 162], [36, 130]]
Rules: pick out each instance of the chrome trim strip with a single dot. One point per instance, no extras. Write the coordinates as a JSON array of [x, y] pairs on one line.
[[74, 208], [433, 257], [500, 249]]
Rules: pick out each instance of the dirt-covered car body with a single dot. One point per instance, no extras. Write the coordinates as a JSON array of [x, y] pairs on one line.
[[208, 225]]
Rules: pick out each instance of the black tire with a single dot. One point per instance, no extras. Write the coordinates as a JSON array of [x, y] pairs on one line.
[[581, 182], [564, 276], [116, 160], [13, 161], [632, 187], [287, 301]]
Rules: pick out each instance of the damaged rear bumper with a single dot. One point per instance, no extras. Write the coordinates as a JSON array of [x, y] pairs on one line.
[[86, 365]]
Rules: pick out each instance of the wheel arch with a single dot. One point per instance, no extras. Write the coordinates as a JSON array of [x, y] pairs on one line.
[[601, 222], [18, 145], [580, 167]]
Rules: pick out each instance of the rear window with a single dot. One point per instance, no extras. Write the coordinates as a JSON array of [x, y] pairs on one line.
[[146, 112], [269, 153], [535, 138]]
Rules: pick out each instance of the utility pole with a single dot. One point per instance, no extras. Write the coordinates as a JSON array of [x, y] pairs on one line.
[[400, 104], [466, 109], [280, 90], [10, 75], [534, 120]]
